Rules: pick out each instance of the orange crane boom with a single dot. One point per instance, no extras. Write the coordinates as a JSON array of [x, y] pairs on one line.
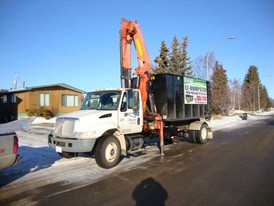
[[131, 31]]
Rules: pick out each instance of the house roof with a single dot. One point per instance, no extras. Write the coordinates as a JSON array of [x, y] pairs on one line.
[[42, 86]]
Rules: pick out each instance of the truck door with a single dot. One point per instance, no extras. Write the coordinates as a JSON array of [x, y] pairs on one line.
[[129, 117]]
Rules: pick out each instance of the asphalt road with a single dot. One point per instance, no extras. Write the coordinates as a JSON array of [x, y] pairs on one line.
[[235, 168]]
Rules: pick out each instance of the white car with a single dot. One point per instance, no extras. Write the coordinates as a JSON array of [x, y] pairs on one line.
[[9, 142], [8, 150]]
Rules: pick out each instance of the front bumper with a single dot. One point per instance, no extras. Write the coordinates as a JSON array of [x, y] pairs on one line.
[[71, 145]]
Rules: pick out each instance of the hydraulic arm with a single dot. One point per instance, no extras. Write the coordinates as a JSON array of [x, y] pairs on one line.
[[131, 32]]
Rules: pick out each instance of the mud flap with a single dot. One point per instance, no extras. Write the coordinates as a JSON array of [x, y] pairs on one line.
[[209, 133]]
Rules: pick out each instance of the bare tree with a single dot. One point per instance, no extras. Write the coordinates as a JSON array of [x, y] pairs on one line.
[[199, 70], [235, 89], [200, 66], [211, 63]]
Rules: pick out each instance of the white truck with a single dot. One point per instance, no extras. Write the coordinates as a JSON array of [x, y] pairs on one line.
[[114, 122]]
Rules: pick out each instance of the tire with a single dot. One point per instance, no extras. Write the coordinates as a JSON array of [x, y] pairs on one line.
[[68, 155], [192, 136], [201, 135], [107, 152]]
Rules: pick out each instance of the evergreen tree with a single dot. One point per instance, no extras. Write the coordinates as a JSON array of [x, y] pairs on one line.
[[250, 89], [220, 90], [185, 67], [271, 102], [175, 58], [265, 101], [174, 62], [162, 60]]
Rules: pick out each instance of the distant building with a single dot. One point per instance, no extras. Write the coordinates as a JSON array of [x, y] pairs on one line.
[[59, 98]]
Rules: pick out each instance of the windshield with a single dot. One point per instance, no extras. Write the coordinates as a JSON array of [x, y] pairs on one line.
[[102, 100]]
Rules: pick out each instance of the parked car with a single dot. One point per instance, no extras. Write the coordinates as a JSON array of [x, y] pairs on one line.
[[8, 150], [9, 142]]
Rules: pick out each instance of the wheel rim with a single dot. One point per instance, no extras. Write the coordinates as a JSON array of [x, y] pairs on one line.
[[111, 152], [204, 133]]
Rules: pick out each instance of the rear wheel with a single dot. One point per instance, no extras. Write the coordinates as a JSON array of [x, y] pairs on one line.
[[199, 136], [192, 136], [108, 152]]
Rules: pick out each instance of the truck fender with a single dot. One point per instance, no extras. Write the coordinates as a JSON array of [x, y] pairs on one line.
[[120, 136], [197, 126]]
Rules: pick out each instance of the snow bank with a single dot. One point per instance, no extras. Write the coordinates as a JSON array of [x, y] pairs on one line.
[[42, 120], [235, 120], [15, 125]]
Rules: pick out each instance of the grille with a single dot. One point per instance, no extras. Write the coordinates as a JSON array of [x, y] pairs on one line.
[[65, 127]]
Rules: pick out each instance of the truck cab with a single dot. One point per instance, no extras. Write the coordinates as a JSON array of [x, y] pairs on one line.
[[106, 117]]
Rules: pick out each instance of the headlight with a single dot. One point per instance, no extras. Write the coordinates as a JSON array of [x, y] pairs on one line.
[[85, 135]]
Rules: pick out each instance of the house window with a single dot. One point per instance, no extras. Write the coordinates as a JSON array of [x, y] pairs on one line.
[[44, 99], [4, 99], [13, 98], [69, 100]]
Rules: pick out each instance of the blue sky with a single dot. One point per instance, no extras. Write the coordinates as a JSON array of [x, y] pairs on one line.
[[77, 42]]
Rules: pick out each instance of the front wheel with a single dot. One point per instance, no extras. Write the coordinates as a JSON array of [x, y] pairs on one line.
[[107, 152], [67, 155]]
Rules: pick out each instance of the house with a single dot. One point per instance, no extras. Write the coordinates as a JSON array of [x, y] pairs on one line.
[[58, 98]]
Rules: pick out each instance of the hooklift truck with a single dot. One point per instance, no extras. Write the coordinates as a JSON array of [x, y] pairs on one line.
[[115, 122]]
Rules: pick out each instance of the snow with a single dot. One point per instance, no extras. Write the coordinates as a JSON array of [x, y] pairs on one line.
[[15, 125], [42, 165], [235, 119]]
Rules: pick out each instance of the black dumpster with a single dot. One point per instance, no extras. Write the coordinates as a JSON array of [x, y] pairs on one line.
[[244, 116]]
